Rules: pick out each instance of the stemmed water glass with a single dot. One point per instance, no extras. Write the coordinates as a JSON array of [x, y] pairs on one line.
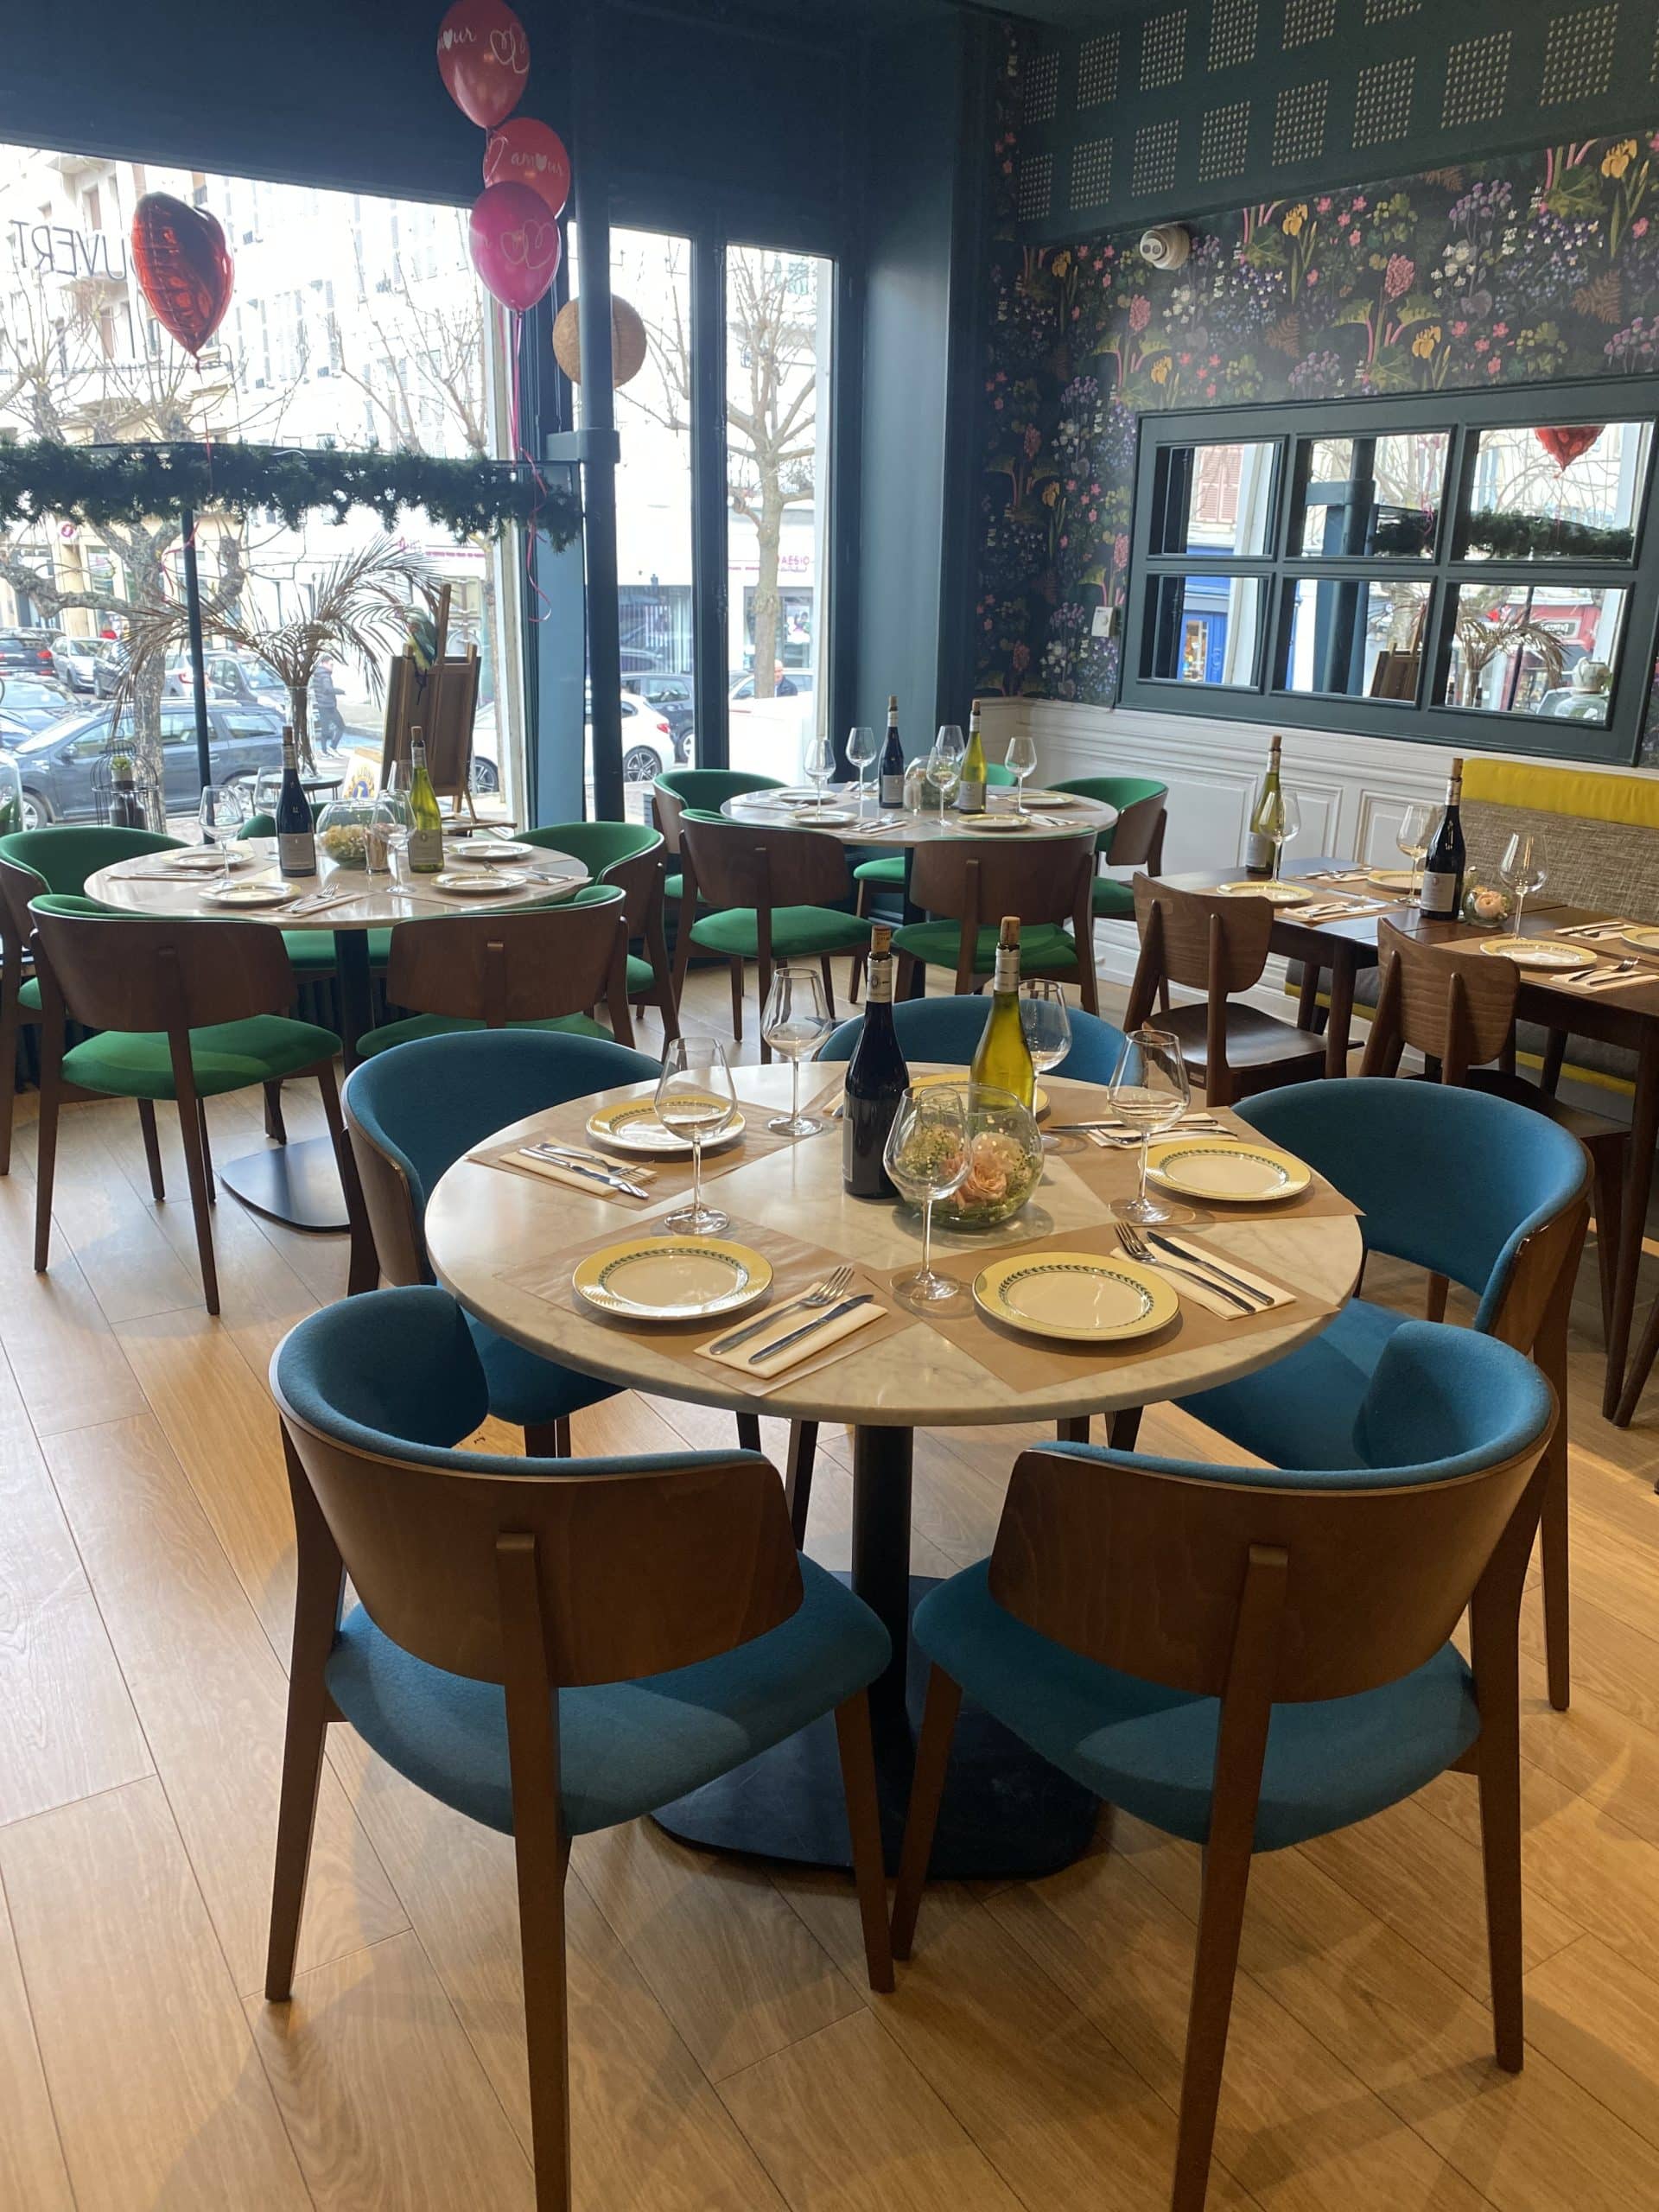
[[1150, 1091], [1021, 757], [928, 1156], [217, 812], [1045, 1021], [695, 1100], [796, 1019], [1290, 828], [1413, 834], [820, 764], [863, 750], [1523, 868], [944, 762]]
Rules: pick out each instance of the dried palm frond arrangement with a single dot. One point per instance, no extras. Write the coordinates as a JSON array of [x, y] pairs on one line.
[[360, 611], [1481, 640]]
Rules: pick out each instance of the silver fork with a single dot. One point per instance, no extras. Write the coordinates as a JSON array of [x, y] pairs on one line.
[[1137, 1248], [1592, 979], [821, 1293]]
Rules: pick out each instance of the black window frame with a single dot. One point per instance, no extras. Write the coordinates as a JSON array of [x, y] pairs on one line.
[[1427, 719]]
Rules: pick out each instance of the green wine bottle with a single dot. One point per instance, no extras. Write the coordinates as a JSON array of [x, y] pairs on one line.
[[1003, 1057], [426, 838], [971, 786]]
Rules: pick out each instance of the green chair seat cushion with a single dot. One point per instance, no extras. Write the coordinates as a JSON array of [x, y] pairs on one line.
[[673, 889], [796, 931], [1152, 1750], [417, 1025], [1045, 948], [642, 976], [624, 1748], [29, 995], [379, 948], [230, 1055], [889, 868], [310, 952], [1113, 898]]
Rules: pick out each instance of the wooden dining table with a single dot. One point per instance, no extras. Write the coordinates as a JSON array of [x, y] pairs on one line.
[[1008, 1812], [905, 828]]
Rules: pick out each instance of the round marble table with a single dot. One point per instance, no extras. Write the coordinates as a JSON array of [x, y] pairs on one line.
[[1008, 1812], [299, 1183], [906, 828]]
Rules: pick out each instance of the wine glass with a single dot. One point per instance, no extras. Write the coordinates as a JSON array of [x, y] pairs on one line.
[[928, 1156], [1412, 837], [796, 1019], [1045, 1021], [267, 790], [218, 813], [863, 750], [820, 763], [1021, 757], [695, 1099], [1524, 868], [944, 762], [1290, 828], [1150, 1091]]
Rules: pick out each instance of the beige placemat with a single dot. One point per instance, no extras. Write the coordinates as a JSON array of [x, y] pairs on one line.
[[1113, 1172], [795, 1267], [1029, 1362], [661, 1178]]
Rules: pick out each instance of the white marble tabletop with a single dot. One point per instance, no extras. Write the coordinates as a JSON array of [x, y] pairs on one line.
[[923, 827], [483, 1223]]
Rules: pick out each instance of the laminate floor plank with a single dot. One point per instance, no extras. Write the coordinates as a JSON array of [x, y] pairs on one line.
[[33, 2177], [1597, 2017], [68, 1365], [129, 1266]]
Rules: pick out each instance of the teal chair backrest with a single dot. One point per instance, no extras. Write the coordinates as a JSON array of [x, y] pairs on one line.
[[712, 787], [949, 1029], [64, 856], [597, 845], [1450, 1180], [265, 825], [1123, 792], [995, 772]]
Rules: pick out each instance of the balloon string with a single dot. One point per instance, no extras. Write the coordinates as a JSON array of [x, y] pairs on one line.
[[520, 452]]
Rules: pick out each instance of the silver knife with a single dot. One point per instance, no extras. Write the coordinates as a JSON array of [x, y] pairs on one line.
[[1167, 1266], [847, 1305], [1203, 1260], [575, 1167]]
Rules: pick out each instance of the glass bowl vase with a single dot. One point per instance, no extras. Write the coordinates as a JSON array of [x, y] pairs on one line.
[[343, 831], [1006, 1148]]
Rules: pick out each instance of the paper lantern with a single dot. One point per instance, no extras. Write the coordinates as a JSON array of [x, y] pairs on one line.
[[629, 342]]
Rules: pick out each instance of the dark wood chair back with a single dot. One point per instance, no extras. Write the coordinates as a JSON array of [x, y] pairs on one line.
[[1202, 941], [1136, 839], [529, 966], [1455, 1007], [740, 864], [976, 880], [668, 806], [129, 972]]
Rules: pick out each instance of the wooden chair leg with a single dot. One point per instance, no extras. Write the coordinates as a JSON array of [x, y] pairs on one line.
[[904, 980], [11, 1030], [310, 1709], [190, 1133], [1608, 1162], [46, 1153], [152, 1147], [926, 1788], [1073, 1429], [276, 1128], [1497, 1773], [1434, 1299], [736, 968], [798, 1476], [1214, 1969], [207, 1153], [1640, 1367], [1122, 1428], [547, 1440], [363, 1271], [748, 1431], [864, 1826], [1550, 1353], [825, 970], [1555, 1057]]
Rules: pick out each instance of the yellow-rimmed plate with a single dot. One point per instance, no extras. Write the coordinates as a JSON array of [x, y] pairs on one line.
[[1227, 1169], [1391, 879], [633, 1127], [1276, 893], [1052, 798], [981, 825], [830, 818], [1039, 1097], [1642, 936], [1083, 1297], [249, 894], [209, 860], [1536, 951], [479, 882], [672, 1278], [491, 851]]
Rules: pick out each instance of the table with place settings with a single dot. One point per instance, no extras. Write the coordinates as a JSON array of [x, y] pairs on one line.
[[506, 1233], [1047, 814]]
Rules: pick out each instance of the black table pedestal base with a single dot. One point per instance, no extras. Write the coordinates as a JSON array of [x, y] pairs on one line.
[[298, 1183], [1007, 1814]]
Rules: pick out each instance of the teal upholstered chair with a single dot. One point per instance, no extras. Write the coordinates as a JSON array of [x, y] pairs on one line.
[[630, 856], [949, 1031], [181, 1012], [1249, 1659], [550, 1647], [968, 883], [1135, 840], [706, 789], [772, 894], [1466, 1185]]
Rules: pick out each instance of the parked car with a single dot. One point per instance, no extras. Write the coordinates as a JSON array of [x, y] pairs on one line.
[[12, 732], [672, 696], [769, 737], [647, 742], [56, 766], [787, 683], [33, 701], [73, 660], [29, 649]]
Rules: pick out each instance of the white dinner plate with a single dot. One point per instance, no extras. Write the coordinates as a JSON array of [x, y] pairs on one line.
[[984, 826], [1536, 951], [1227, 1169], [249, 894], [633, 1127], [1275, 891], [829, 818], [1052, 798], [672, 1278], [1392, 879], [1642, 936], [478, 882], [199, 860], [1083, 1297], [498, 852]]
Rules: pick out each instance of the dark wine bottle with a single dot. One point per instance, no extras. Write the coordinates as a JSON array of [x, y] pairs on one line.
[[877, 1079], [296, 843], [1440, 898], [892, 760]]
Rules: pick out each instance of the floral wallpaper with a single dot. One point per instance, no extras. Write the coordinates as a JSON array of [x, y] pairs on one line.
[[1504, 272]]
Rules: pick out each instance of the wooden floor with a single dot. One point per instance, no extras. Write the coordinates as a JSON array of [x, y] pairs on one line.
[[726, 2053]]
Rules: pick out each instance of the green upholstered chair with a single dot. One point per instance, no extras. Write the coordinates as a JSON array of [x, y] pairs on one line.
[[531, 967], [1250, 1659], [1135, 840], [311, 952], [774, 894], [550, 1647], [630, 856], [183, 1011], [890, 872], [707, 788], [969, 883], [59, 859]]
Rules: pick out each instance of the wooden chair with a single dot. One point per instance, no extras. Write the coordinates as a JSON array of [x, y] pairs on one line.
[[773, 896], [527, 1611], [707, 789], [534, 967], [969, 883], [1143, 1624], [1218, 946], [630, 856], [1458, 1010], [185, 1012], [1135, 840]]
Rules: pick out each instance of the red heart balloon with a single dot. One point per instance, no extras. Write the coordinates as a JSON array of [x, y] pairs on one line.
[[515, 243], [184, 266], [483, 59], [524, 151], [1564, 447]]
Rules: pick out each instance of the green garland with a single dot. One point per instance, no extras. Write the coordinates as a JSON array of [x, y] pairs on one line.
[[1504, 534], [97, 485]]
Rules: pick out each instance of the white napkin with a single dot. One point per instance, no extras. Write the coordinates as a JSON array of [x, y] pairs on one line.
[[743, 1358], [1604, 980], [1214, 1301]]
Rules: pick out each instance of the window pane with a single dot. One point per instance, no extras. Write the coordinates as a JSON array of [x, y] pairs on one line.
[[1359, 637], [1371, 495], [1205, 629], [1566, 492], [1540, 649], [1214, 498]]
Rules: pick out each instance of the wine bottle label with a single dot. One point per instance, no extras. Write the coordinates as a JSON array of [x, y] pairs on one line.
[[425, 851], [1439, 894], [970, 799], [892, 790], [296, 853], [879, 991], [1258, 851]]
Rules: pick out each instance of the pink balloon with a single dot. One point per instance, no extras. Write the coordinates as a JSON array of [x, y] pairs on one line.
[[524, 151], [483, 59], [515, 243]]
